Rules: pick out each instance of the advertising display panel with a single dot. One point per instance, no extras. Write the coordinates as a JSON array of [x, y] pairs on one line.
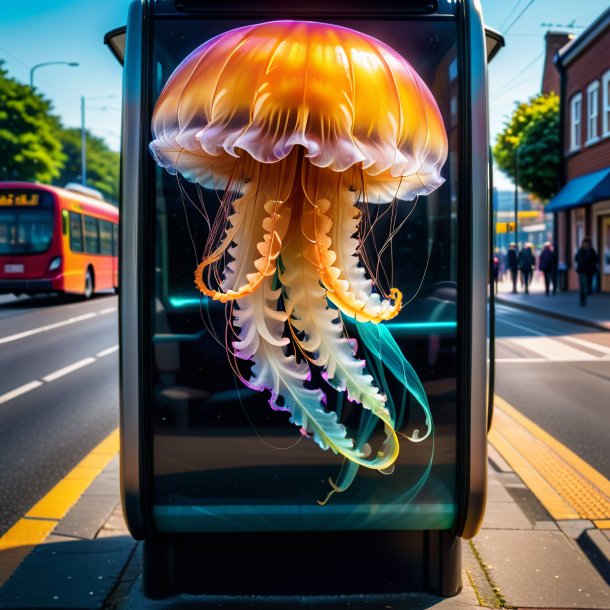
[[304, 303]]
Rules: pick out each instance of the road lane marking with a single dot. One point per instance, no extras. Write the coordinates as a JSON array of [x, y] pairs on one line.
[[520, 360], [588, 344], [567, 486], [42, 518], [44, 329], [107, 352], [28, 387], [66, 370], [551, 349], [108, 310], [519, 326]]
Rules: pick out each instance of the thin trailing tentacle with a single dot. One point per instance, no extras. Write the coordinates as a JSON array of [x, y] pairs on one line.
[[320, 331], [337, 250], [285, 378]]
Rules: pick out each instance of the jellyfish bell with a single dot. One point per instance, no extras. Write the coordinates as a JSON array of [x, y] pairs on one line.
[[303, 124]]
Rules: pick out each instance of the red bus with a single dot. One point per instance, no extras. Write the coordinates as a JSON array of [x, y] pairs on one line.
[[56, 240]]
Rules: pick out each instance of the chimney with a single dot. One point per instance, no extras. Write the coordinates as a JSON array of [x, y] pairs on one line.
[[550, 76]]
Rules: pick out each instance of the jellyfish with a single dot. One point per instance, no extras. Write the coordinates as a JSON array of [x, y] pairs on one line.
[[302, 125]]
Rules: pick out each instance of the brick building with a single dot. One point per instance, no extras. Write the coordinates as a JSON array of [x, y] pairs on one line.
[[582, 207]]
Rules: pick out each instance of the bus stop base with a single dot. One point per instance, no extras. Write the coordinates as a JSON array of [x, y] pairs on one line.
[[305, 564]]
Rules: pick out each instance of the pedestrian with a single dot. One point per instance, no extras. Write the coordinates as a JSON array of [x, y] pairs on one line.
[[555, 271], [527, 264], [512, 264], [586, 267], [495, 270], [546, 264]]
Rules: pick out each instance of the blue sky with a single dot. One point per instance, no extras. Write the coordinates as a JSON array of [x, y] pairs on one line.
[[35, 31]]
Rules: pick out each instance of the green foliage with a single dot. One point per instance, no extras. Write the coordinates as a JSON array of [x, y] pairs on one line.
[[29, 145], [533, 129], [102, 163]]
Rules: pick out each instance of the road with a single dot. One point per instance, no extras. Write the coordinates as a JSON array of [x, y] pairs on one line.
[[557, 374], [58, 392]]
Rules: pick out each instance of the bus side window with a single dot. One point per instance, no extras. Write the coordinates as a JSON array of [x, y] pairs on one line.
[[64, 222], [92, 236], [76, 232], [115, 239], [105, 237]]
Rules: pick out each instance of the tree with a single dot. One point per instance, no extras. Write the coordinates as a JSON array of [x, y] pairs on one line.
[[102, 163], [29, 145], [533, 129]]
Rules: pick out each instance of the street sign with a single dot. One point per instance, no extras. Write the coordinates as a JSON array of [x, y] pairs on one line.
[[505, 227]]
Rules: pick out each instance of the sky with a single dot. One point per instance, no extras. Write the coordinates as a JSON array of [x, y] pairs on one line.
[[36, 31]]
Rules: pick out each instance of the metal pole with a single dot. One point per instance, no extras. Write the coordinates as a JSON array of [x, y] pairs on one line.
[[50, 63], [83, 142], [517, 197]]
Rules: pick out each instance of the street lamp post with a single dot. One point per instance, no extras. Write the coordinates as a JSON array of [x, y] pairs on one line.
[[72, 64], [83, 132]]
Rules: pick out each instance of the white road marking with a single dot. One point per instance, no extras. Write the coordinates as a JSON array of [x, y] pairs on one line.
[[588, 344], [551, 349], [44, 329], [109, 310], [529, 330], [68, 369], [107, 352], [28, 387], [520, 360]]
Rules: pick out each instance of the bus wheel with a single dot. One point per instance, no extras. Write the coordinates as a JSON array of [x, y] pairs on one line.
[[88, 284]]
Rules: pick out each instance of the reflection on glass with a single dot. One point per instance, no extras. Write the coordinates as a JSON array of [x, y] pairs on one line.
[[288, 231]]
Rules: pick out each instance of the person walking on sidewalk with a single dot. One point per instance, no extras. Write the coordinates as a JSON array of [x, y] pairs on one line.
[[586, 267], [512, 264], [546, 264], [527, 264]]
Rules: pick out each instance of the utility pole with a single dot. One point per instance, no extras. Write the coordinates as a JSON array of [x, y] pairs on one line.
[[517, 197], [83, 142]]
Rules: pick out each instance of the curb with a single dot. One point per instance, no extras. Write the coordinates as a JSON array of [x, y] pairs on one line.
[[604, 326], [596, 545]]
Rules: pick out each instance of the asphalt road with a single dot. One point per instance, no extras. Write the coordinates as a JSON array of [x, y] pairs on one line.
[[58, 392], [558, 374]]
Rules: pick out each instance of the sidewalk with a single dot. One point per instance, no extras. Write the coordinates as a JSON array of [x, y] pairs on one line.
[[562, 305], [521, 558]]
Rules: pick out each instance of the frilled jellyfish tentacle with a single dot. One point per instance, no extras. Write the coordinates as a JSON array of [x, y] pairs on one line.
[[258, 319], [273, 217], [337, 250], [319, 330]]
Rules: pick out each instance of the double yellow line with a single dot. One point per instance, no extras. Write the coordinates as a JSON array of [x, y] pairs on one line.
[[41, 519], [565, 484]]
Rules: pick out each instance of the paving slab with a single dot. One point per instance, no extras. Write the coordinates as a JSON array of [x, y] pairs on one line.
[[505, 516], [541, 569], [75, 575], [87, 517]]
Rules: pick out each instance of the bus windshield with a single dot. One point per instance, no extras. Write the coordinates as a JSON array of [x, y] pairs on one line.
[[26, 222]]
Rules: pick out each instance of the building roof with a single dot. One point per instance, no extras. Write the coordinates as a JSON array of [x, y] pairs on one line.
[[574, 48]]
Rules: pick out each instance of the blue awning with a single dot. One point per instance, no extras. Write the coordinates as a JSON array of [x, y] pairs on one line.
[[583, 190]]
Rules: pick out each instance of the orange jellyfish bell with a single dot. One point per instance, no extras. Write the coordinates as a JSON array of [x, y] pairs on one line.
[[301, 124], [345, 97]]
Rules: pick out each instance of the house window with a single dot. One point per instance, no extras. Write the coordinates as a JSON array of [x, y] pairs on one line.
[[606, 103], [575, 121], [592, 112]]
